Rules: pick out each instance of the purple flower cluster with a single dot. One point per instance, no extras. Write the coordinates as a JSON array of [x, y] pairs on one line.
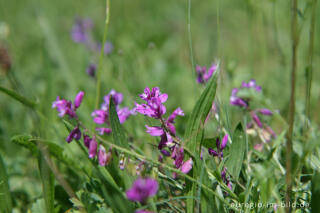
[[154, 108], [142, 189], [65, 107], [219, 153], [91, 144], [100, 116], [255, 114], [81, 33], [204, 74]]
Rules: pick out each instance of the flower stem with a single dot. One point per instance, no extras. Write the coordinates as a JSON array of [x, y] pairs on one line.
[[98, 88], [294, 37]]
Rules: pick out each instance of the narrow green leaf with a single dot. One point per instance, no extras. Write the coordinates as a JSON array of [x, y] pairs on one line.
[[195, 129], [118, 133], [47, 179], [5, 195], [23, 140], [315, 204], [236, 153], [193, 134], [18, 97]]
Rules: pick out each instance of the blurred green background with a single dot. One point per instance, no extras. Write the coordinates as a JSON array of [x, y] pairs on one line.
[[251, 39]]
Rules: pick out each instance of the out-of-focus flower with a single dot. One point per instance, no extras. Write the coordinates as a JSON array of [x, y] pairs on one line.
[[204, 74], [187, 166], [142, 189], [91, 70], [80, 30], [74, 134]]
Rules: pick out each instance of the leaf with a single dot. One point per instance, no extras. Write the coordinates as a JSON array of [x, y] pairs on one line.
[[315, 189], [47, 179], [198, 116], [24, 140], [118, 133], [194, 131], [18, 97], [5, 195], [38, 206], [236, 153]]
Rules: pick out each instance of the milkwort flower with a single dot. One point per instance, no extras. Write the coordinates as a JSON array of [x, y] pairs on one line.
[[142, 189], [154, 108], [100, 116], [265, 131], [219, 153], [204, 74], [65, 107]]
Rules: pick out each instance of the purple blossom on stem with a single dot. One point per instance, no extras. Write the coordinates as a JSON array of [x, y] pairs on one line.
[[142, 189], [93, 148], [220, 147], [100, 116], [65, 107], [204, 75], [74, 134]]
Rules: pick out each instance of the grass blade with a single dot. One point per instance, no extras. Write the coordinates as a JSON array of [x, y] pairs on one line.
[[47, 179], [5, 195], [237, 150], [18, 97], [194, 130], [118, 133]]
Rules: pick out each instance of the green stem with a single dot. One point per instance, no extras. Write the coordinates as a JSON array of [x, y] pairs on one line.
[[98, 88], [294, 37], [310, 59], [190, 36]]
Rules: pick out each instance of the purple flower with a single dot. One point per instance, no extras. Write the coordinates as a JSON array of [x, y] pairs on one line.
[[235, 100], [256, 119], [86, 140], [91, 70], [99, 116], [93, 148], [154, 108], [80, 30], [74, 134], [204, 75], [175, 113], [265, 111], [102, 156], [220, 147], [123, 114], [251, 84], [213, 152], [103, 130], [63, 107], [142, 189], [78, 99], [108, 47], [187, 166], [224, 142], [154, 130]]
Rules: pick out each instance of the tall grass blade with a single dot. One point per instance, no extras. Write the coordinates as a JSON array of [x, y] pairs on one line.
[[5, 195], [47, 179], [18, 97]]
